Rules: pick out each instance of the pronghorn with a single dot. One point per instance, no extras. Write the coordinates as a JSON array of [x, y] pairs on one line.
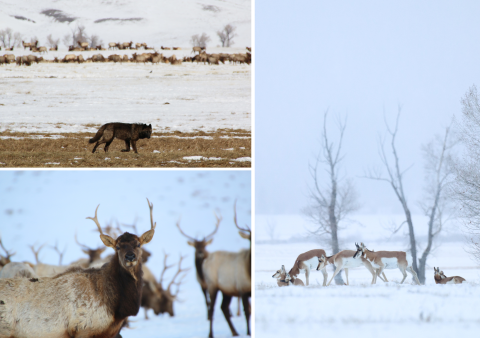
[[79, 302], [285, 279], [344, 260], [201, 254], [307, 261], [381, 260], [230, 273], [440, 278]]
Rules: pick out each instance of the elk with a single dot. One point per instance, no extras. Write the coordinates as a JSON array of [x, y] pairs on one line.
[[201, 254], [440, 278], [93, 254], [285, 279], [381, 260], [344, 260], [81, 302], [197, 49], [26, 45], [165, 48], [54, 48], [112, 45], [307, 261], [42, 49], [230, 273], [176, 48], [154, 296]]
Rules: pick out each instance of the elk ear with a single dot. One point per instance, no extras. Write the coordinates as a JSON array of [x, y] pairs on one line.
[[147, 237], [100, 251], [191, 243], [108, 241], [209, 242], [86, 251], [244, 235]]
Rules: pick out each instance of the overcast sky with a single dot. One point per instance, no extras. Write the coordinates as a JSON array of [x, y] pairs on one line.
[[360, 59]]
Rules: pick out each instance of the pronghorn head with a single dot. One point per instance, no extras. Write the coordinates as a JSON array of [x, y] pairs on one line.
[[280, 272], [127, 246], [201, 245], [360, 250], [438, 274], [321, 262], [288, 278]]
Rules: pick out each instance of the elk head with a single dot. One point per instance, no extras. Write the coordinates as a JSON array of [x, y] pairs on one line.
[[93, 254], [127, 246], [201, 245]]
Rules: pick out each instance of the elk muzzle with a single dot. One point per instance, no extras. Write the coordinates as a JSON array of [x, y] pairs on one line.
[[130, 258]]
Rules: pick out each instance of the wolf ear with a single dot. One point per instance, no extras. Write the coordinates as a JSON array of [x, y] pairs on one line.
[[150, 125]]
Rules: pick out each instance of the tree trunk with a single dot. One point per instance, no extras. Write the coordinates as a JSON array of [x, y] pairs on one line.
[[334, 224]]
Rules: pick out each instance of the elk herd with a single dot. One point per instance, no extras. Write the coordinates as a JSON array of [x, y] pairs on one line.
[[94, 296], [376, 262], [153, 57]]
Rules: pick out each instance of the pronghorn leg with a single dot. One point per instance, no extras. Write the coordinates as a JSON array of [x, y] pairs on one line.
[[379, 271], [213, 297], [346, 275], [307, 274], [325, 276], [410, 269], [246, 309], [384, 277], [370, 268], [402, 269], [226, 312], [337, 270]]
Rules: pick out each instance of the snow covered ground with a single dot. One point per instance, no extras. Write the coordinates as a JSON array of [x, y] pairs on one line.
[[48, 98], [361, 309]]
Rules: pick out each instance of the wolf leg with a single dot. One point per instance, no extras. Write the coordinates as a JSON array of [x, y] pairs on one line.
[[127, 146], [108, 145], [134, 146]]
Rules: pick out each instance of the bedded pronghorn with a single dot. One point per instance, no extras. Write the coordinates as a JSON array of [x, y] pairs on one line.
[[285, 279], [381, 260], [306, 262], [440, 278], [344, 260]]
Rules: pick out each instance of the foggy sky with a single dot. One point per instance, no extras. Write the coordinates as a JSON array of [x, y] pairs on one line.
[[361, 60]]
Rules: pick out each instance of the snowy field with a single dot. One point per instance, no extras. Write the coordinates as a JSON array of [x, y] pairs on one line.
[[362, 309], [187, 97]]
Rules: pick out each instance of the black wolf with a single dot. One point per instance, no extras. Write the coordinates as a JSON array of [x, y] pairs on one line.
[[123, 131]]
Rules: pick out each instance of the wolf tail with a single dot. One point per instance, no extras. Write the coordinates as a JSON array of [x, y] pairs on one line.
[[98, 135]]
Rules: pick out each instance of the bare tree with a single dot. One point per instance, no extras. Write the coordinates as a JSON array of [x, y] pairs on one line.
[[76, 34], [331, 202], [51, 42], [199, 41], [271, 229], [10, 39], [467, 170], [438, 171], [226, 35], [94, 40]]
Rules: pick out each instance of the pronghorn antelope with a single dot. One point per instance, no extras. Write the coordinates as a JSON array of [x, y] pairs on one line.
[[344, 260], [230, 273], [285, 279], [307, 261], [201, 254], [440, 278], [381, 260], [79, 302]]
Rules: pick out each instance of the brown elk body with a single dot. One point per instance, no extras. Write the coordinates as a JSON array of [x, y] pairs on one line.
[[81, 302], [17, 270], [440, 278], [230, 273], [200, 254]]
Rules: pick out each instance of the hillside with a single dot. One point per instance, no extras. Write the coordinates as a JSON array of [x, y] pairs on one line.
[[167, 23]]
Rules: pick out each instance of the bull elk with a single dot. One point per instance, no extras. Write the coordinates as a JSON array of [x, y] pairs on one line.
[[155, 296], [230, 273], [200, 254], [79, 302]]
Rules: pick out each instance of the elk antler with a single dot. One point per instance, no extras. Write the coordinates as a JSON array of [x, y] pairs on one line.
[[6, 251], [179, 271], [82, 245], [95, 219], [35, 253], [235, 219], [60, 253], [219, 219], [184, 234], [165, 267], [153, 225]]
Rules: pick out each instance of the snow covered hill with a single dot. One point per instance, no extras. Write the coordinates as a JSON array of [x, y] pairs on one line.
[[156, 22]]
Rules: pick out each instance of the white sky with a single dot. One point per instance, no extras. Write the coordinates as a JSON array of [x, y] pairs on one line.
[[357, 59]]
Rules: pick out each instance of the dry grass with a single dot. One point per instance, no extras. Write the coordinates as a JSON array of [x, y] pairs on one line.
[[73, 150]]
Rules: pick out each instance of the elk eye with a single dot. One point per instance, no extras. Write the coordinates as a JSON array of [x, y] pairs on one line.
[[118, 248], [138, 245]]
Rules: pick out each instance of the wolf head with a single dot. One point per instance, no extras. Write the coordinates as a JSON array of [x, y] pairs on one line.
[[145, 131]]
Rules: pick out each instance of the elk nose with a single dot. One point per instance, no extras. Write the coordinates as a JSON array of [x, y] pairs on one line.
[[130, 256]]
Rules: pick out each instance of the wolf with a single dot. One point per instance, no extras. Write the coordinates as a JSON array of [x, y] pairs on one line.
[[123, 131]]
